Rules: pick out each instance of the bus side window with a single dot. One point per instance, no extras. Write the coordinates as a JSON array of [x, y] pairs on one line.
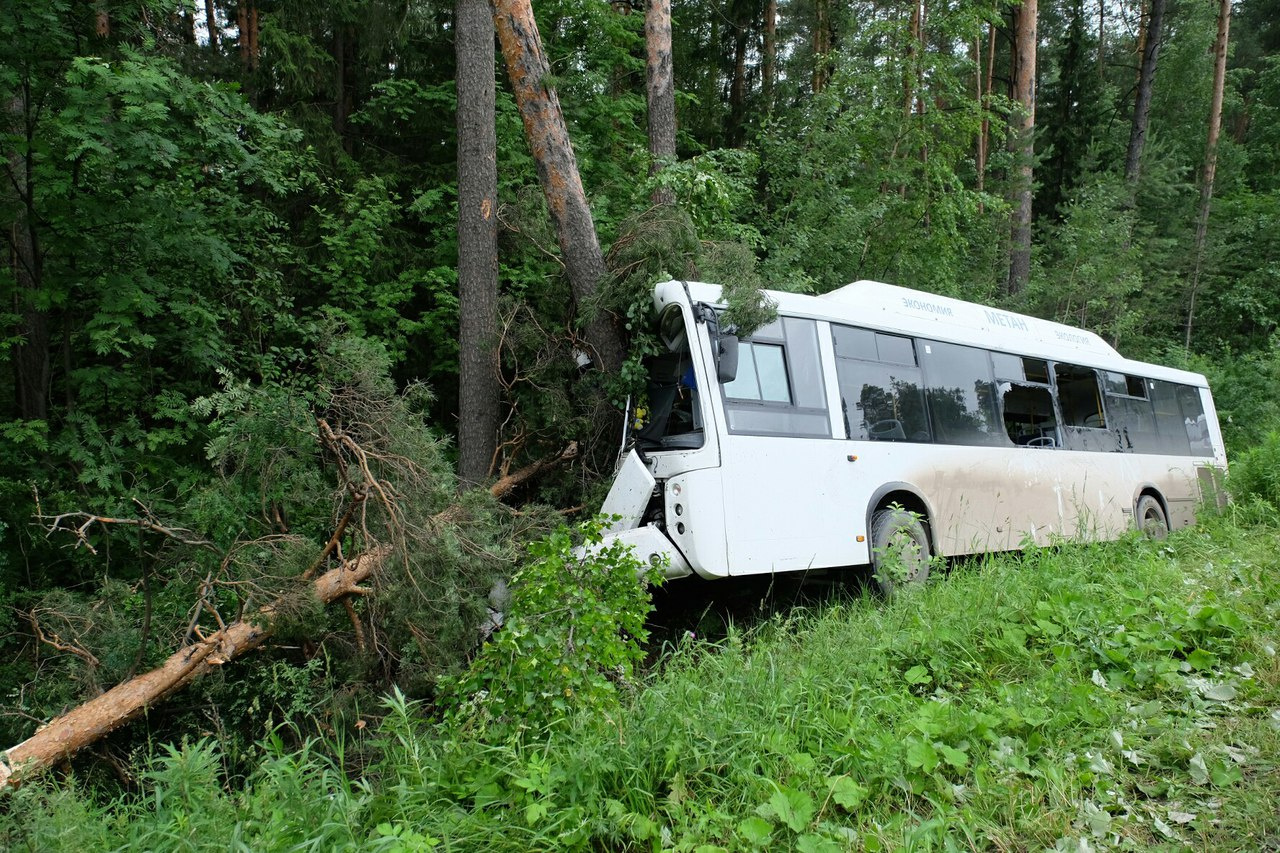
[[1170, 421], [1029, 419], [1194, 420], [962, 395], [1129, 413], [779, 389], [881, 387]]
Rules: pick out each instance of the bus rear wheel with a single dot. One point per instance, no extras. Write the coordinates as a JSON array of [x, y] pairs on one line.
[[1151, 518], [900, 552]]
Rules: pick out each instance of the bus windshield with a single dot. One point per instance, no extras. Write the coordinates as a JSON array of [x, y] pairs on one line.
[[672, 415]]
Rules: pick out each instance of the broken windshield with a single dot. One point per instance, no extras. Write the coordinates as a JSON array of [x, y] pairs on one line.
[[671, 417]]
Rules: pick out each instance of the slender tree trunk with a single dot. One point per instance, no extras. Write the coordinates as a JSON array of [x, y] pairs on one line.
[[31, 366], [660, 91], [479, 394], [738, 83], [1023, 142], [1210, 156], [548, 140], [984, 103], [344, 56], [211, 22], [1102, 40], [247, 22], [188, 25], [1142, 37], [821, 44], [1142, 101], [770, 51], [910, 66]]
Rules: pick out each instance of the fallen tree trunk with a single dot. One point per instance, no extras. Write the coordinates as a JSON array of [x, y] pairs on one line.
[[127, 701]]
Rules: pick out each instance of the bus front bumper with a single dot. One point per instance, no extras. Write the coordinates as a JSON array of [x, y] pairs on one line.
[[651, 545]]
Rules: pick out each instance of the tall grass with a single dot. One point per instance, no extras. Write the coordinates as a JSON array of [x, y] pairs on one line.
[[1080, 697]]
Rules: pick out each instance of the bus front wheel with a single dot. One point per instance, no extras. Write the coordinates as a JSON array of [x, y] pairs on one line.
[[900, 552], [1151, 518]]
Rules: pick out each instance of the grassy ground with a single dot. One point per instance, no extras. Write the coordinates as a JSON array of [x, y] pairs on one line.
[[1119, 696]]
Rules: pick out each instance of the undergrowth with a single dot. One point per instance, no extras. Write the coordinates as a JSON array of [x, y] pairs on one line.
[[1114, 696]]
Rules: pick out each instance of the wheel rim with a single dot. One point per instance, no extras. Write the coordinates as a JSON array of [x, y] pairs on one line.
[[1153, 523], [904, 552]]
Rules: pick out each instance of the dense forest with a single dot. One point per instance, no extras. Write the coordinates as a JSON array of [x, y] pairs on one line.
[[304, 288]]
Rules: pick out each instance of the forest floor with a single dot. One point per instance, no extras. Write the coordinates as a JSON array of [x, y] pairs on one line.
[[1081, 697]]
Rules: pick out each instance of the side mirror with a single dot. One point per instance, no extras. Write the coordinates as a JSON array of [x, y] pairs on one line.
[[727, 362]]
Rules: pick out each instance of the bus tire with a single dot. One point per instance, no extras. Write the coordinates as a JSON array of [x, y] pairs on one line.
[[900, 552], [1151, 519]]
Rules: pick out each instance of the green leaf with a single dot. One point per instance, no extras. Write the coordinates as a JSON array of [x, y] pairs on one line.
[[1200, 659], [756, 830], [848, 794], [917, 675], [920, 753]]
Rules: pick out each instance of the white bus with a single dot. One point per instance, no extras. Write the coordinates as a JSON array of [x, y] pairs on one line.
[[876, 418]]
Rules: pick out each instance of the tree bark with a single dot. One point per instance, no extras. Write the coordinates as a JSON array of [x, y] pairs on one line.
[[31, 365], [1142, 101], [738, 83], [125, 702], [821, 44], [770, 51], [548, 140], [479, 394], [660, 91], [1023, 142], [211, 22], [1210, 156], [344, 56], [984, 102]]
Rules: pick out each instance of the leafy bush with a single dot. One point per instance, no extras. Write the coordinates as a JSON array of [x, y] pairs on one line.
[[1255, 474], [573, 634]]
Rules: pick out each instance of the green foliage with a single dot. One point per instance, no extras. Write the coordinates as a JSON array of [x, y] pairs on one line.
[[571, 638], [1115, 694], [1255, 474]]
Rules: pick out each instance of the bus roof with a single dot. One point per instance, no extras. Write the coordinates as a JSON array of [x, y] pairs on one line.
[[913, 312]]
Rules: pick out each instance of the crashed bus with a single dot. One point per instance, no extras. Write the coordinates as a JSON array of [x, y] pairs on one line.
[[878, 420]]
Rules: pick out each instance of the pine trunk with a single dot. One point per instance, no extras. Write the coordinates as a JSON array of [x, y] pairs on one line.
[[770, 58], [1142, 101], [211, 22], [660, 91], [479, 397], [1210, 156], [821, 44], [1023, 142], [738, 83], [557, 167]]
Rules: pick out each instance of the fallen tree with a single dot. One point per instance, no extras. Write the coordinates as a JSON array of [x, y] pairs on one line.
[[85, 724]]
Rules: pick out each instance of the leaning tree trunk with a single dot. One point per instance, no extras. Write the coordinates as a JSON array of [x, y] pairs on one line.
[[1210, 156], [660, 91], [1142, 101], [125, 702], [548, 140], [1023, 142], [479, 397]]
